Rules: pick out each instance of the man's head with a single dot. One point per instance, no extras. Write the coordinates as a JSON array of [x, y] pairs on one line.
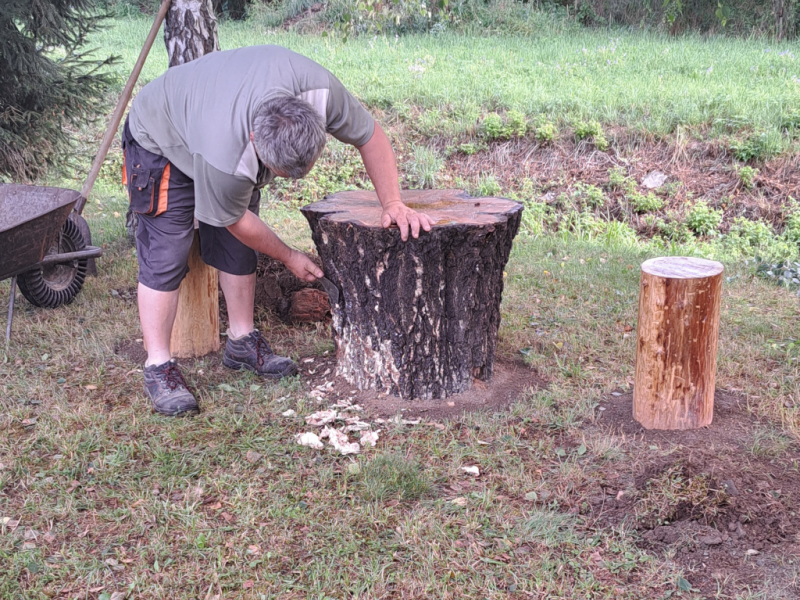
[[289, 135]]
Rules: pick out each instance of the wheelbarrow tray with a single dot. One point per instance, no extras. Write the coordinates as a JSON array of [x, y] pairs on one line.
[[31, 218]]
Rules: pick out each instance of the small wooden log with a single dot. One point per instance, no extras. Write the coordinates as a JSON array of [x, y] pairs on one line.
[[309, 306], [196, 328], [676, 352], [419, 318]]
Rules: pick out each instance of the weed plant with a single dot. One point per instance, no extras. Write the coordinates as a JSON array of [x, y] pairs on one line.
[[703, 220], [424, 167], [747, 175], [642, 203]]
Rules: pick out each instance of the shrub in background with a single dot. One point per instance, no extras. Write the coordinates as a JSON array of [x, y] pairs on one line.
[[47, 81]]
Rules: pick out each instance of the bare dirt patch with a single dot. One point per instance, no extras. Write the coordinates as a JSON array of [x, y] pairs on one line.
[[703, 169], [510, 381], [727, 515]]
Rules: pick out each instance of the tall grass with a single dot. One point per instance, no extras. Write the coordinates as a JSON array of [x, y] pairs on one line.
[[641, 80]]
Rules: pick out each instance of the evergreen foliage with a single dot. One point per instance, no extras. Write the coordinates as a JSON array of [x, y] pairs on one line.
[[48, 82]]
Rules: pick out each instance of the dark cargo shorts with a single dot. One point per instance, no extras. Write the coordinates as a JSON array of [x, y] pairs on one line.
[[163, 198]]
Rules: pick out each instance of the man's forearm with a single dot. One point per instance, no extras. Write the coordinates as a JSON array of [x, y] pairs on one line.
[[381, 166], [254, 233]]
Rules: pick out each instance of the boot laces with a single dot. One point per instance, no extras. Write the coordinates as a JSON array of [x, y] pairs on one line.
[[262, 348], [173, 378]]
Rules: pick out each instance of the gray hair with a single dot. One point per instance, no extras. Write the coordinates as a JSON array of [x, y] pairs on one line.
[[289, 135]]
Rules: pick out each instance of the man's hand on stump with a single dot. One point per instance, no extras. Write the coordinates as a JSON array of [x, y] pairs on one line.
[[303, 267], [405, 218]]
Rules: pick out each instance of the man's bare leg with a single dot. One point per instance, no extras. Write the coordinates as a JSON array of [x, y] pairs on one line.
[[157, 315], [163, 381], [240, 292], [245, 348]]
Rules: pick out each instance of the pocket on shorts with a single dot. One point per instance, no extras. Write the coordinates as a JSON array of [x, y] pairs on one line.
[[147, 177], [143, 190]]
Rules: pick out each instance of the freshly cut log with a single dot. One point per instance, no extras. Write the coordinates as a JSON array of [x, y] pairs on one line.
[[196, 328], [417, 319], [676, 349]]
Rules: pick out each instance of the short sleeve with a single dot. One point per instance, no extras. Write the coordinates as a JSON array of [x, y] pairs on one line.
[[348, 120], [219, 199]]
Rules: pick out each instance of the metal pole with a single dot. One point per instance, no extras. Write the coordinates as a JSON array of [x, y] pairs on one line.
[[11, 309]]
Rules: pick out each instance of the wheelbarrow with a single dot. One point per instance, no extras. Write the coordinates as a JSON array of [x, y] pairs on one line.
[[45, 243], [42, 247]]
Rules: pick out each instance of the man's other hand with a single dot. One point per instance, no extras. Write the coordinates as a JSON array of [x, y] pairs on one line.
[[405, 218], [303, 267]]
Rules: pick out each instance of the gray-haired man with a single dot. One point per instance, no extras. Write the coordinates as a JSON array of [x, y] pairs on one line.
[[200, 141]]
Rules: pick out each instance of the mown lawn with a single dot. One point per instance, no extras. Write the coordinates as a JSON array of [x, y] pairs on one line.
[[99, 495], [646, 81]]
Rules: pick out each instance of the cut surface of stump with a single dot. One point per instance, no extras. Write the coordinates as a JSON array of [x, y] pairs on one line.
[[676, 350], [417, 319]]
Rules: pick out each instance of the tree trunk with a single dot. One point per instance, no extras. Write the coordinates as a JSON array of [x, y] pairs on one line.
[[676, 352], [190, 31], [419, 318]]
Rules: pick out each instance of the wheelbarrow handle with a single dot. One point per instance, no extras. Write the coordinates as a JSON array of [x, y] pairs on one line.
[[122, 104]]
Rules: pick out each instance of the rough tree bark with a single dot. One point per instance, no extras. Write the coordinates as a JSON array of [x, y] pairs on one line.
[[676, 351], [190, 31], [417, 319]]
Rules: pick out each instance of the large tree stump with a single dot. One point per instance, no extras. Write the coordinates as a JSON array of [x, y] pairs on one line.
[[190, 31], [417, 319], [676, 351]]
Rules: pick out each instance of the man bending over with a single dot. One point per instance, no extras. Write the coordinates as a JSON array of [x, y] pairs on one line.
[[199, 143]]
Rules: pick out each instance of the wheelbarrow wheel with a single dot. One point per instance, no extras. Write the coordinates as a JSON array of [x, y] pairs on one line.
[[50, 286]]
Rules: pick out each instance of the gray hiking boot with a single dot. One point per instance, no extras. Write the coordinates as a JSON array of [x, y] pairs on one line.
[[166, 388], [253, 352]]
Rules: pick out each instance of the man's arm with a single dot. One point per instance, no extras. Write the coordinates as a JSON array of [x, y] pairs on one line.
[[254, 233], [381, 166]]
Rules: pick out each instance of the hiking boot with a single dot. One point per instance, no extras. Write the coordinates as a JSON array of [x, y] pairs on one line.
[[166, 388], [253, 352]]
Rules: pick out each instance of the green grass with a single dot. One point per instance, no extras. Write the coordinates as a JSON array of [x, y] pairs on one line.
[[644, 81], [114, 498]]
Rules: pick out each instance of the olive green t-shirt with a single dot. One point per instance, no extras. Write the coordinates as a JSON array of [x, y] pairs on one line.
[[200, 115]]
